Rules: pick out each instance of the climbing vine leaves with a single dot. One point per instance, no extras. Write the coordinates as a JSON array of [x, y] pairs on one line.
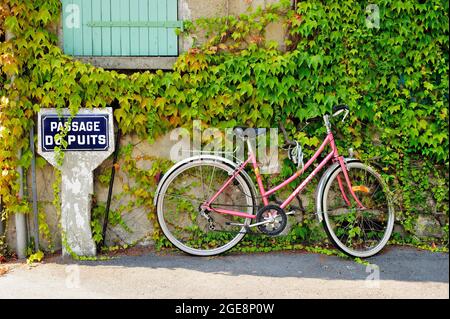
[[393, 76]]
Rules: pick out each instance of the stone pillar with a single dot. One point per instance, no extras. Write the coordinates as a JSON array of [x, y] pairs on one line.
[[77, 181]]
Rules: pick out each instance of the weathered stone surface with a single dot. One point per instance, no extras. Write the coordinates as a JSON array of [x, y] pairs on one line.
[[428, 226], [274, 31], [200, 8], [141, 229], [240, 6], [136, 219], [399, 229], [194, 9]]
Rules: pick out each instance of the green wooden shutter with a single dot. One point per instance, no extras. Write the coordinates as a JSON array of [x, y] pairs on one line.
[[120, 27]]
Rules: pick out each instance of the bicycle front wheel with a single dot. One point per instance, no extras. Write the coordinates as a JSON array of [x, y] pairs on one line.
[[355, 231], [179, 212]]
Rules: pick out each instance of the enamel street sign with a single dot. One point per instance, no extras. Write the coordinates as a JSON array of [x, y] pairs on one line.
[[86, 132]]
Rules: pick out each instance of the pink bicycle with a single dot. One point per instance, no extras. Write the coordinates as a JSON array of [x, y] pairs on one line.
[[206, 204]]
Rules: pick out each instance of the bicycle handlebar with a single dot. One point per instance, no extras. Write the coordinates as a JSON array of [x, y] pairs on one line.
[[338, 109]]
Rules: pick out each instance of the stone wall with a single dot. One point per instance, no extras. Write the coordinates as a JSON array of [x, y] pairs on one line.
[[137, 219], [194, 9]]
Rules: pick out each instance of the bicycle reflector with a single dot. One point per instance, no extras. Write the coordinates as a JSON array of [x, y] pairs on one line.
[[361, 188]]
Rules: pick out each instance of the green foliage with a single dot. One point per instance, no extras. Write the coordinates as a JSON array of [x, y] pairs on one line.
[[3, 249], [36, 257], [44, 229], [394, 78], [98, 216]]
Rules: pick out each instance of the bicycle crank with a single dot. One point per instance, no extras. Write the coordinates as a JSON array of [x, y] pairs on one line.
[[271, 220], [255, 224]]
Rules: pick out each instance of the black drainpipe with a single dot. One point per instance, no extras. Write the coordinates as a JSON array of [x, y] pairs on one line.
[[114, 105]]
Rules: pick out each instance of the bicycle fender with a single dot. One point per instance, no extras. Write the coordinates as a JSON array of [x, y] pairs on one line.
[[203, 157], [321, 186]]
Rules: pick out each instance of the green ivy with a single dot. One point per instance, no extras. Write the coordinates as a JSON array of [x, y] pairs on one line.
[[394, 78]]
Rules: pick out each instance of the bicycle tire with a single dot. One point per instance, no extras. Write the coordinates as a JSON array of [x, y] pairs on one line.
[[243, 181], [327, 223]]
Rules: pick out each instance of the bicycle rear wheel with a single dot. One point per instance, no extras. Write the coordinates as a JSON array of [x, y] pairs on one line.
[[355, 231], [179, 213]]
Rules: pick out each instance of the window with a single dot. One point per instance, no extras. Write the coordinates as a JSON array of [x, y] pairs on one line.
[[120, 28]]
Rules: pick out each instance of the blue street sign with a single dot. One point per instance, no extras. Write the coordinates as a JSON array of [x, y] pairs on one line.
[[86, 132]]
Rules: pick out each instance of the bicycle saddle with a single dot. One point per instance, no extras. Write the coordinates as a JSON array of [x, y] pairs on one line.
[[249, 132]]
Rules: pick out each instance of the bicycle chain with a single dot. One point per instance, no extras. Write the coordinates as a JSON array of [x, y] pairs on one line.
[[248, 232]]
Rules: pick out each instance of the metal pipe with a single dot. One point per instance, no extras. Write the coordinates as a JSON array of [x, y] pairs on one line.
[[34, 191], [21, 227], [2, 223], [20, 219]]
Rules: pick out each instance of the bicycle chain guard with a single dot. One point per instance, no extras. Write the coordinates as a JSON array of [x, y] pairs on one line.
[[275, 220]]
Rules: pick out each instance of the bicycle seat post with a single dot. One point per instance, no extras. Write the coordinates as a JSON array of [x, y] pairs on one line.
[[249, 145], [326, 119]]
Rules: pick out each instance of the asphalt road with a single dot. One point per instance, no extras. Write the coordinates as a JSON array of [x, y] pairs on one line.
[[398, 272]]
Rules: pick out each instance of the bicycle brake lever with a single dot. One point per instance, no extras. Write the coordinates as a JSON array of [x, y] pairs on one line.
[[345, 115]]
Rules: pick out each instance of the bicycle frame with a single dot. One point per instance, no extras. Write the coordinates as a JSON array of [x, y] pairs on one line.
[[333, 156]]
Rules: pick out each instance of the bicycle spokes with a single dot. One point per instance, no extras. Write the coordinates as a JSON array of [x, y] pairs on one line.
[[185, 218], [358, 229]]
